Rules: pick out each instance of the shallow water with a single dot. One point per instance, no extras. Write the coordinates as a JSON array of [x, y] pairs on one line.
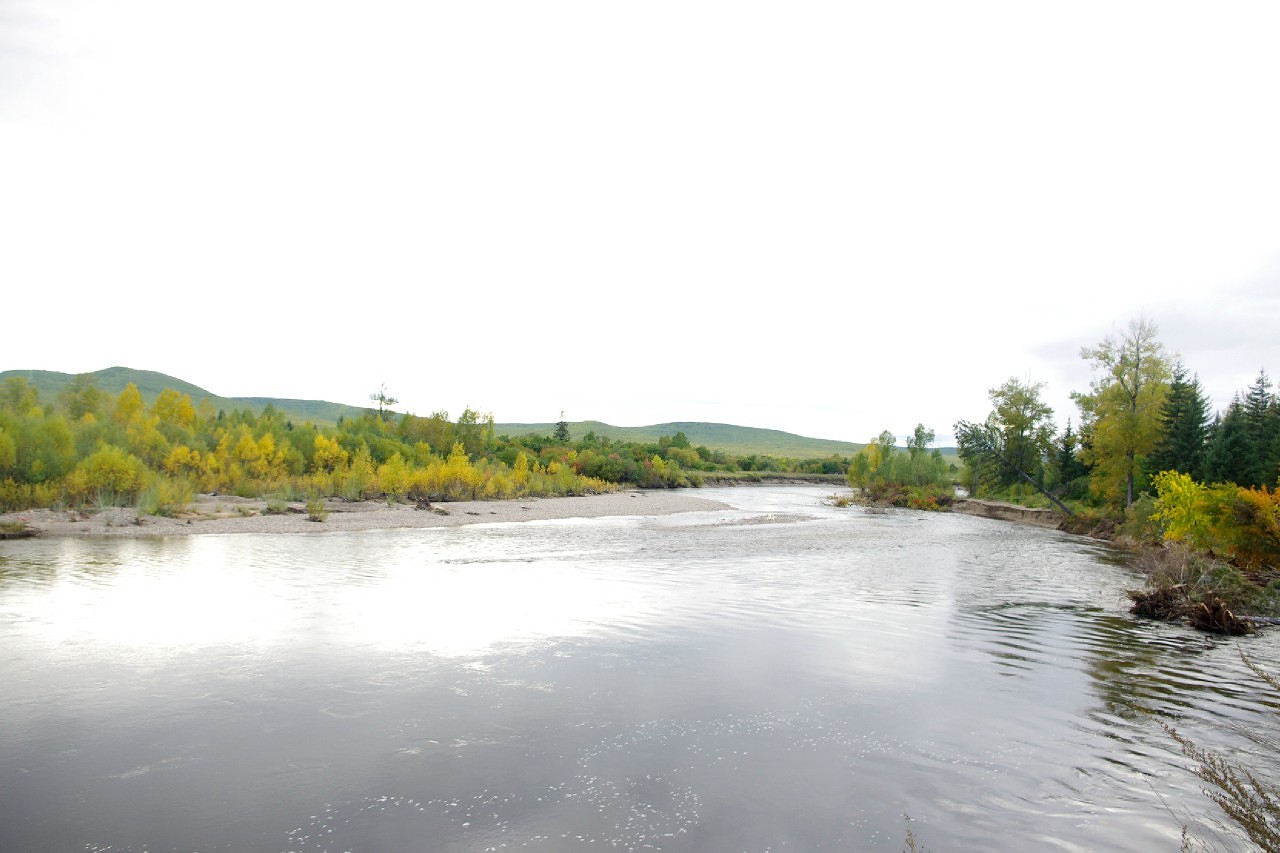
[[781, 676]]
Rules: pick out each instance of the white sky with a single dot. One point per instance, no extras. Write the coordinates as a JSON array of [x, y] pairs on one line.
[[827, 218]]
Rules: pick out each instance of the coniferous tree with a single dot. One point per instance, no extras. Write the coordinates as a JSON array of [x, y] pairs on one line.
[[1262, 428], [1067, 469], [1227, 456], [1184, 428]]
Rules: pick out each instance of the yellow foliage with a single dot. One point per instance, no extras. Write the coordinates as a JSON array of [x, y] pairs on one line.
[[1226, 519], [460, 480], [499, 487], [174, 408], [393, 476], [329, 455], [128, 404], [108, 470], [1180, 507], [146, 441], [182, 460]]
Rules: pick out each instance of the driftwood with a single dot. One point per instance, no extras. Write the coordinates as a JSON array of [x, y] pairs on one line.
[[1211, 613], [1166, 602]]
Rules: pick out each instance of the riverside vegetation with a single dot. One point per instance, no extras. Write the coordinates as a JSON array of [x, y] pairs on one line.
[[1195, 497], [90, 449]]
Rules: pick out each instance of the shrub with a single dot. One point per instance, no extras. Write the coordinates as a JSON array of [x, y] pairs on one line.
[[165, 496], [16, 496], [316, 510], [1142, 521], [108, 470]]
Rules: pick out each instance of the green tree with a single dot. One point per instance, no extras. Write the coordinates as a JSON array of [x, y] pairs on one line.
[[1184, 428], [1228, 448], [18, 395], [1014, 441], [924, 467], [562, 431], [885, 444], [981, 447], [1122, 411], [474, 431], [1065, 467], [1262, 429], [82, 397], [1026, 427], [8, 453]]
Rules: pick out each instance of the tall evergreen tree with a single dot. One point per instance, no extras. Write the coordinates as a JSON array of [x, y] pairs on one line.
[[562, 430], [1262, 428], [1184, 428], [1227, 455], [1067, 467]]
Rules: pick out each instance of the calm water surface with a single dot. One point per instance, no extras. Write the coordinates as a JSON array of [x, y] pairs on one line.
[[780, 676]]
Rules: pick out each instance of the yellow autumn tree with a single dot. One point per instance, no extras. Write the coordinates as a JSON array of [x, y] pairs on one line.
[[520, 472], [128, 404], [182, 461], [393, 477], [174, 408], [1122, 412], [329, 455]]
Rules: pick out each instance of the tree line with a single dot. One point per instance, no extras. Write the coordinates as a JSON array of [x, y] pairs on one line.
[[1145, 443], [919, 478], [90, 447]]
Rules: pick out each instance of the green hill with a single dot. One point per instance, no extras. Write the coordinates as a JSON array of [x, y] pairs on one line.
[[738, 440], [113, 380], [726, 437]]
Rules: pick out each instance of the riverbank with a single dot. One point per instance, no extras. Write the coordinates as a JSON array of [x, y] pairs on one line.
[[1095, 528], [221, 514]]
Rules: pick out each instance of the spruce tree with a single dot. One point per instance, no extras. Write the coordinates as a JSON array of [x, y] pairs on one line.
[[562, 430], [1068, 470], [1261, 429], [1184, 428], [1227, 456]]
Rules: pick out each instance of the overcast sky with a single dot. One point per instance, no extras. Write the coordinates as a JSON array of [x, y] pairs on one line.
[[827, 218]]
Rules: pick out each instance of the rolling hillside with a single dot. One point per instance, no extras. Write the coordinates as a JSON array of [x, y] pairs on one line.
[[729, 438], [113, 380]]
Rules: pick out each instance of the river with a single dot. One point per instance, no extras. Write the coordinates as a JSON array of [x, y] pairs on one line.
[[784, 675]]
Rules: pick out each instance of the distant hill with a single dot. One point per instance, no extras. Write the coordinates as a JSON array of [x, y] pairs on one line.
[[738, 440], [727, 437], [113, 380]]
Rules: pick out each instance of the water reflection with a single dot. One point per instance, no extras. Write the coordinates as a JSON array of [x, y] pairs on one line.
[[780, 675]]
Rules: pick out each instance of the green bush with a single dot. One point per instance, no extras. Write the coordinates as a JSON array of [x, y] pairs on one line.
[[316, 510], [1141, 523]]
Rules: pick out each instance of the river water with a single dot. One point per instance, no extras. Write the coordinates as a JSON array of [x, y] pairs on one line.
[[784, 675]]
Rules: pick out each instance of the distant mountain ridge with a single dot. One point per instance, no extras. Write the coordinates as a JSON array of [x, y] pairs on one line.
[[725, 437]]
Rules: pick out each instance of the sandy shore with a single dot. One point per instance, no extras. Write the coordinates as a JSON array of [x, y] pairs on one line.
[[227, 514]]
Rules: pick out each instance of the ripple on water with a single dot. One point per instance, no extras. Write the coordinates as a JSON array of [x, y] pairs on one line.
[[783, 675]]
